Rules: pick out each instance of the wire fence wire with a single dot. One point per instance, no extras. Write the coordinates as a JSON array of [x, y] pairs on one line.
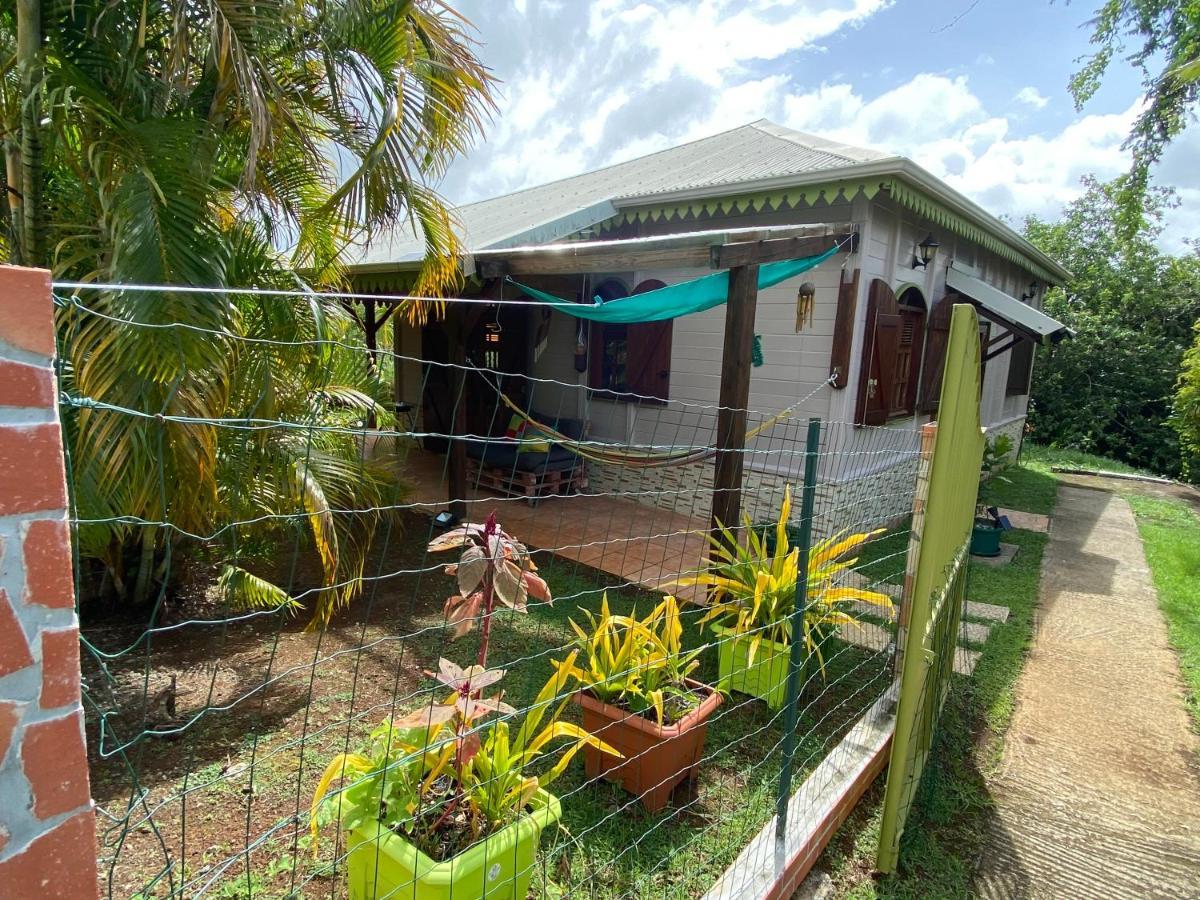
[[252, 520]]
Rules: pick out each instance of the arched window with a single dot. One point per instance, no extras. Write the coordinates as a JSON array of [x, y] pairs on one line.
[[891, 361], [633, 361], [910, 343]]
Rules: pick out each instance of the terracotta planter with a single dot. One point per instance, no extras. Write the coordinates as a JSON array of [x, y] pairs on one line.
[[656, 758]]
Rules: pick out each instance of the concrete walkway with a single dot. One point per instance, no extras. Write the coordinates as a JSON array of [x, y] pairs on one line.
[[1098, 795]]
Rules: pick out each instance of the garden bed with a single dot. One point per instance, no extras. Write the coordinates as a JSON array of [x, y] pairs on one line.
[[260, 707]]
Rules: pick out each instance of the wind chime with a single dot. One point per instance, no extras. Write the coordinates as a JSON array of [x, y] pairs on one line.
[[804, 305]]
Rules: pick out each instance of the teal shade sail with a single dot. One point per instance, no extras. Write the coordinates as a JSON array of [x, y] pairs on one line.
[[675, 300]]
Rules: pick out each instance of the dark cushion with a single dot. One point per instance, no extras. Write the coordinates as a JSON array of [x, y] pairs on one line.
[[501, 454]]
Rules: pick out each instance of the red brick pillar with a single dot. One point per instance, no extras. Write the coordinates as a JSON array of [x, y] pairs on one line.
[[47, 825]]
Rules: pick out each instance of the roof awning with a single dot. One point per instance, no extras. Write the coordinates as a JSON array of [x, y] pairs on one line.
[[1009, 312]]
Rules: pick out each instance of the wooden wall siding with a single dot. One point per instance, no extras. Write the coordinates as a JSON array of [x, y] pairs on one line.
[[794, 364], [893, 232]]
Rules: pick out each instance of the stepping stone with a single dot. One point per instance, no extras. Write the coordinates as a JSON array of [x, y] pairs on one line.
[[989, 611], [1007, 552], [861, 608], [1027, 521], [866, 635], [973, 633], [859, 580], [965, 660]]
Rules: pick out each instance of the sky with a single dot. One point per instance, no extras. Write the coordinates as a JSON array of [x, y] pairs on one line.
[[975, 91]]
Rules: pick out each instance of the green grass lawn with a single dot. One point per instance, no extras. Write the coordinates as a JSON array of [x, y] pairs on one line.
[[608, 845], [945, 829], [1040, 458], [1170, 531]]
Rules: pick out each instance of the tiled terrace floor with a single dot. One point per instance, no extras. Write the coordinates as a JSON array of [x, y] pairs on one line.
[[640, 544]]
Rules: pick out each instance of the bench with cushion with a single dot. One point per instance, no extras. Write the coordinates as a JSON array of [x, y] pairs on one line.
[[522, 464]]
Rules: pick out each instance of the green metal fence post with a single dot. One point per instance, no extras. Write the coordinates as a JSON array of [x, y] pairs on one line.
[[796, 659]]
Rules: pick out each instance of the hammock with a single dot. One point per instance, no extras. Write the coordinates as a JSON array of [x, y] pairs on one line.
[[677, 299], [637, 457]]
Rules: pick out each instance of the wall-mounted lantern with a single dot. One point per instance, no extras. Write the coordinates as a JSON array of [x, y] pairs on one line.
[[1032, 295], [926, 250]]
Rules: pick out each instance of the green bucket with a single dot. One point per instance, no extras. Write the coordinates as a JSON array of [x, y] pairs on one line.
[[985, 538], [766, 678], [500, 867]]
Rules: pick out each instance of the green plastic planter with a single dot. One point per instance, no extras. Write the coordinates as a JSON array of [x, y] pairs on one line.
[[383, 864], [985, 538], [766, 679]]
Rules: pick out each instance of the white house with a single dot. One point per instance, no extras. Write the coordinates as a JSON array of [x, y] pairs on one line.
[[867, 359]]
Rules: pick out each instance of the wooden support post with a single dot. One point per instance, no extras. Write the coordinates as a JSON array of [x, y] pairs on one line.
[[735, 395], [457, 331]]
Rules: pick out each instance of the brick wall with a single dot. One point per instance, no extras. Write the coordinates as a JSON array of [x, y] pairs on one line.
[[47, 826]]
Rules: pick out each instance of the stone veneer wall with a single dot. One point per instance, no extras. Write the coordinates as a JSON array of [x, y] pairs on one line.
[[1015, 431], [879, 499], [47, 825]]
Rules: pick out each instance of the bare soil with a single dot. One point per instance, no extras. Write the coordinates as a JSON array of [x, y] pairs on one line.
[[216, 733]]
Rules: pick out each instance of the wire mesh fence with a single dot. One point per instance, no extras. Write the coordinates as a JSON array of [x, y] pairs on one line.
[[273, 613]]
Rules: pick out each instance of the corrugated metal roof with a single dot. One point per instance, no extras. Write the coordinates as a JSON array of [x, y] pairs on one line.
[[750, 153]]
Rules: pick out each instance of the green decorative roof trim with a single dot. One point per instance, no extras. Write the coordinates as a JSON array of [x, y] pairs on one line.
[[808, 196], [790, 198], [930, 209]]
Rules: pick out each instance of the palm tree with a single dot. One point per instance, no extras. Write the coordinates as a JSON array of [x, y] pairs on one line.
[[188, 142]]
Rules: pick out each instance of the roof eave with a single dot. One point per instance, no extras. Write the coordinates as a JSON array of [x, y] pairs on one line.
[[890, 167], [970, 209]]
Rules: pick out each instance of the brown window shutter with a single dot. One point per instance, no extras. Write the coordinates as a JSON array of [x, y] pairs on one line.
[[1020, 367], [650, 352], [650, 359], [937, 337], [876, 383], [843, 331]]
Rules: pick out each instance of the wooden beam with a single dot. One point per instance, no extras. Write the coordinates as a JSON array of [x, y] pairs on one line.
[[742, 253], [1004, 348], [457, 331], [617, 260], [734, 396], [687, 249]]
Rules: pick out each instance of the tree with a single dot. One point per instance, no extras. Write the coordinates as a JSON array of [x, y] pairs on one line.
[[1166, 39], [1108, 391], [1186, 413], [169, 142]]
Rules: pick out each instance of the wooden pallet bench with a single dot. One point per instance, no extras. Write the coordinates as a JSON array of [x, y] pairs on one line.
[[530, 485]]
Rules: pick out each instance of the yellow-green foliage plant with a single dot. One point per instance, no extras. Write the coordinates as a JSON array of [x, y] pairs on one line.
[[636, 663], [440, 781], [752, 587]]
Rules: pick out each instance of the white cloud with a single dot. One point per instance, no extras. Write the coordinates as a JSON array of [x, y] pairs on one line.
[[942, 125], [584, 89], [1031, 96]]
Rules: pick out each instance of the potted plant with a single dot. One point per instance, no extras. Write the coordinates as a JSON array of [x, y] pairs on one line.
[[435, 806], [493, 566], [636, 695], [753, 594], [988, 529]]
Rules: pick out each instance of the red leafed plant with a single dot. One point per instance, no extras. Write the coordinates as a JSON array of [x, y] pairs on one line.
[[494, 566]]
